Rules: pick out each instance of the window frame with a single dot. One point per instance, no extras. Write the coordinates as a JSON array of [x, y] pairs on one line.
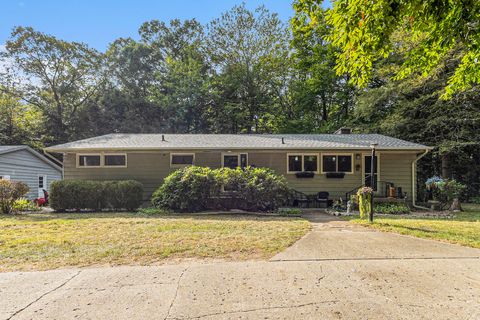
[[44, 179], [114, 154], [102, 159], [336, 162], [89, 154], [179, 165], [238, 154], [303, 154]]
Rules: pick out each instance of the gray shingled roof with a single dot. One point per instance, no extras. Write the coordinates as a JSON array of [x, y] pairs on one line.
[[8, 149], [236, 141], [5, 149]]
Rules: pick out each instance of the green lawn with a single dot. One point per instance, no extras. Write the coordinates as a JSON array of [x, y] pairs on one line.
[[464, 229], [46, 241]]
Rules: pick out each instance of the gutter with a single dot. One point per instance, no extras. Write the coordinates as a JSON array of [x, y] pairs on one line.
[[414, 180]]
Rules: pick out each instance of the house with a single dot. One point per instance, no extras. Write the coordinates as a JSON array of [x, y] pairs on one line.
[[337, 163], [22, 163]]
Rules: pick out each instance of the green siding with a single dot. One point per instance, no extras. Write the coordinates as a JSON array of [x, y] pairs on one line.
[[397, 168], [150, 168]]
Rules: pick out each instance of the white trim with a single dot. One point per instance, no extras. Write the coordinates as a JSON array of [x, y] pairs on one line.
[[114, 154], [352, 156], [238, 154], [181, 154], [78, 155], [45, 185], [302, 155]]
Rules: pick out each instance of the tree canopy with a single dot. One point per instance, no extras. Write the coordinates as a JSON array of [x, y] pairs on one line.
[[363, 31]]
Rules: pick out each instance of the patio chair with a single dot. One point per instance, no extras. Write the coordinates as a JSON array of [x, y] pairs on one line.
[[322, 199], [300, 199]]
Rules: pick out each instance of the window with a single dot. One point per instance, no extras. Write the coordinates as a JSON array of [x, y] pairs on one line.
[[302, 162], [337, 163], [182, 159], [115, 160], [89, 160], [344, 163], [40, 182], [295, 163], [5, 177], [234, 160], [329, 164]]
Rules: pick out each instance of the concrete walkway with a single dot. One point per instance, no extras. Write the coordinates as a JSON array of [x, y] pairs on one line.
[[337, 271]]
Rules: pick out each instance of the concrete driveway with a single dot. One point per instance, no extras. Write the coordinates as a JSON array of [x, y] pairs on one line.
[[338, 271]]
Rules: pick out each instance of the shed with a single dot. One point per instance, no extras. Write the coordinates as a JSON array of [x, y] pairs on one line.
[[22, 163]]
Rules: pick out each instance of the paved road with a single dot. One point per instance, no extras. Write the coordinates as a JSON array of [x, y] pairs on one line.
[[337, 271]]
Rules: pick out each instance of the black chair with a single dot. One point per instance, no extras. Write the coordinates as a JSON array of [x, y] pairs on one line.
[[300, 199], [322, 199]]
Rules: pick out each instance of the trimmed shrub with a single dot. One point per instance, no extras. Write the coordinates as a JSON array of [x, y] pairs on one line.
[[11, 191], [199, 188], [125, 194], [95, 195]]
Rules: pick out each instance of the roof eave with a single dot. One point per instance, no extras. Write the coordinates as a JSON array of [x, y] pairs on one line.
[[66, 150]]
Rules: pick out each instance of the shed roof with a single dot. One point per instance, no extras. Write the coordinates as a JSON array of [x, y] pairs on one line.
[[236, 141], [9, 149]]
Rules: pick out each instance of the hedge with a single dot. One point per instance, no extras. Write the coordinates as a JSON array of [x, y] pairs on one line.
[[95, 195], [200, 188]]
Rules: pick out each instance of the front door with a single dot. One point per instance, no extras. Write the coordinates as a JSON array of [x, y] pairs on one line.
[[368, 169], [42, 184]]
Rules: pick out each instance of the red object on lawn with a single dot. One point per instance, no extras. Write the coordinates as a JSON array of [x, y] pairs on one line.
[[40, 202]]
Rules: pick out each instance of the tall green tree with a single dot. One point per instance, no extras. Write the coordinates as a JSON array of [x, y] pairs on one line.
[[249, 53], [363, 31], [182, 79], [56, 76], [323, 100], [20, 123]]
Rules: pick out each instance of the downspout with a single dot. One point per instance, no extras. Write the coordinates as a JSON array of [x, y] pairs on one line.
[[414, 181]]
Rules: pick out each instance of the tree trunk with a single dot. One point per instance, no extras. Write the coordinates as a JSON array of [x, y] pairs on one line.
[[455, 205], [445, 166], [324, 108]]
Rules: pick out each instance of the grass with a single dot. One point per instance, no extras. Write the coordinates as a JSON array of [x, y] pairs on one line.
[[47, 241], [464, 229]]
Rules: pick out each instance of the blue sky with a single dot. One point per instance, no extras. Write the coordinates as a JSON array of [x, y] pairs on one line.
[[99, 22]]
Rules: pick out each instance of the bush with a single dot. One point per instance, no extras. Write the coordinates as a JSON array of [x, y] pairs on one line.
[[10, 191], [95, 195], [445, 190], [23, 204], [126, 194], [187, 189], [199, 188], [392, 208]]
